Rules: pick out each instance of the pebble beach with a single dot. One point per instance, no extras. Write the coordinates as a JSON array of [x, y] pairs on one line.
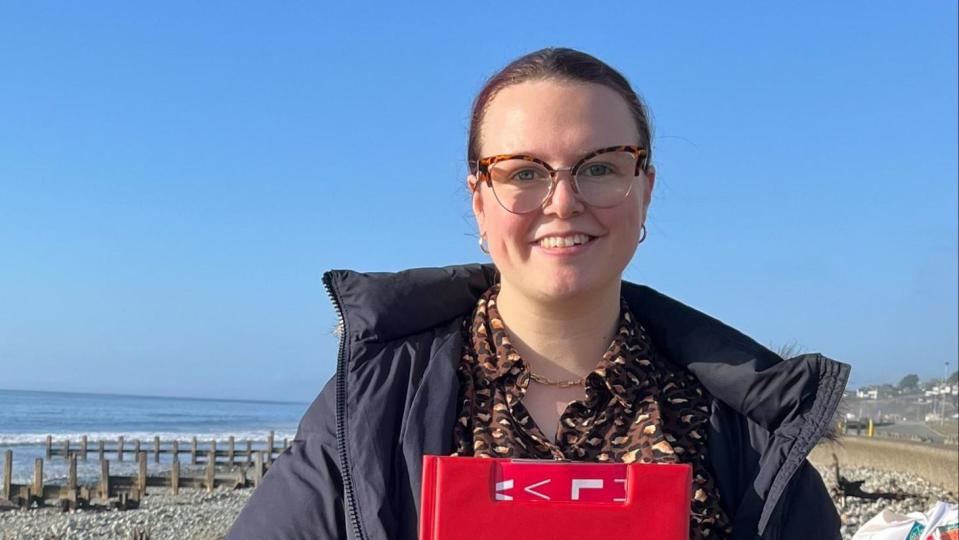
[[191, 514], [855, 512], [203, 515]]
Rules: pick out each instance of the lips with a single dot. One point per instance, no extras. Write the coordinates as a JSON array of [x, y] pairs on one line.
[[565, 245], [563, 241]]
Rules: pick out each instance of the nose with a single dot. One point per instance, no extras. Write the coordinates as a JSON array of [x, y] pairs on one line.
[[564, 201]]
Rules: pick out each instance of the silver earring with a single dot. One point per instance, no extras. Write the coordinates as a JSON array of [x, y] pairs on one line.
[[483, 248], [642, 234]]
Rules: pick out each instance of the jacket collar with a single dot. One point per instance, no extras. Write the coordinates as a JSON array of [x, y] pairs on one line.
[[749, 378]]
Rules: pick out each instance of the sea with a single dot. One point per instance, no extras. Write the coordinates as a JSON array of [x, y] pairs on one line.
[[27, 417]]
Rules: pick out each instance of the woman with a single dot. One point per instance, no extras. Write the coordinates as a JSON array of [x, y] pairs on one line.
[[547, 353]]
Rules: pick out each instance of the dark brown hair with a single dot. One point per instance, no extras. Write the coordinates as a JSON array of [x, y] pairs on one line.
[[557, 64]]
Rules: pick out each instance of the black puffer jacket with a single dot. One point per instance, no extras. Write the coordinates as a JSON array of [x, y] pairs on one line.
[[353, 470]]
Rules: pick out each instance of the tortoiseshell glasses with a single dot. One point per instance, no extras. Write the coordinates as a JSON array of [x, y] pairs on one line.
[[523, 183]]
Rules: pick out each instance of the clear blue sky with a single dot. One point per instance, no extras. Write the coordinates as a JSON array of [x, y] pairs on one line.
[[174, 180]]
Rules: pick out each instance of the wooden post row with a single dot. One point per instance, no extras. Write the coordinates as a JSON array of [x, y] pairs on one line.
[[71, 488]]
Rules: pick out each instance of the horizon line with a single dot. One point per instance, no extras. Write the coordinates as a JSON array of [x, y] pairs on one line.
[[188, 398]]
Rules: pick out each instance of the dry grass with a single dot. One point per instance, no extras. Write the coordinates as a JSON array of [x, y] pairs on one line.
[[937, 464]]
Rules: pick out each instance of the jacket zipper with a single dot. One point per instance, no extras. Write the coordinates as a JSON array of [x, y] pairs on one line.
[[352, 512]]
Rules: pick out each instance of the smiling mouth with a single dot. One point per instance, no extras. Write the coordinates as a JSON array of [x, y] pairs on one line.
[[555, 242]]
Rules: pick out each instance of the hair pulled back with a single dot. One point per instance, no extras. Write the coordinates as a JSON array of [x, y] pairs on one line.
[[561, 64]]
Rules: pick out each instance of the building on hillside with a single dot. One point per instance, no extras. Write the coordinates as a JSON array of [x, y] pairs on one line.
[[943, 389]]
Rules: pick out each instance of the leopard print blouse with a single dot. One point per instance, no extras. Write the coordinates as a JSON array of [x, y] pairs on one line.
[[638, 407]]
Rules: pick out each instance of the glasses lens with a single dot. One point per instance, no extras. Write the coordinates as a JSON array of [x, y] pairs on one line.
[[605, 180], [519, 185]]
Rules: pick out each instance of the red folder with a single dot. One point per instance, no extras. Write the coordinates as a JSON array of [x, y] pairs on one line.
[[468, 498]]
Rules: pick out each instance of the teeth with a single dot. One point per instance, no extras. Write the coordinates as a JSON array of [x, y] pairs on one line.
[[563, 241]]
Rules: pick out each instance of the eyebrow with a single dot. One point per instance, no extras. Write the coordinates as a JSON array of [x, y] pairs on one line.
[[579, 153]]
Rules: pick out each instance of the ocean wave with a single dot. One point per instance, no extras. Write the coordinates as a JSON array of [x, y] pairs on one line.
[[30, 439]]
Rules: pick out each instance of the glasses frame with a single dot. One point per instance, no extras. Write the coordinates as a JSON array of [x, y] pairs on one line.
[[482, 168]]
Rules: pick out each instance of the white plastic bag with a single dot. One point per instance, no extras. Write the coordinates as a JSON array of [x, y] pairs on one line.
[[941, 522]]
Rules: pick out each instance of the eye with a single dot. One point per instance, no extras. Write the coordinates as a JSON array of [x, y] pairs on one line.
[[598, 169], [524, 176]]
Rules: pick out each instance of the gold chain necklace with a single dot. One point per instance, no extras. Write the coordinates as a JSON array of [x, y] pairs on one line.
[[562, 384]]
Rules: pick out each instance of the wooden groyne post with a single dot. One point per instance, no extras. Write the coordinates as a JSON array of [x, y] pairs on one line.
[[7, 473], [269, 449], [69, 492], [211, 472], [38, 477], [104, 479], [175, 477], [258, 470], [141, 473]]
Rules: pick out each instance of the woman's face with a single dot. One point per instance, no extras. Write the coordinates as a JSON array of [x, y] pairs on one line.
[[559, 122]]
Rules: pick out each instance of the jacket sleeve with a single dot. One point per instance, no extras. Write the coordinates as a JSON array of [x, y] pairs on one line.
[[809, 511], [301, 495]]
